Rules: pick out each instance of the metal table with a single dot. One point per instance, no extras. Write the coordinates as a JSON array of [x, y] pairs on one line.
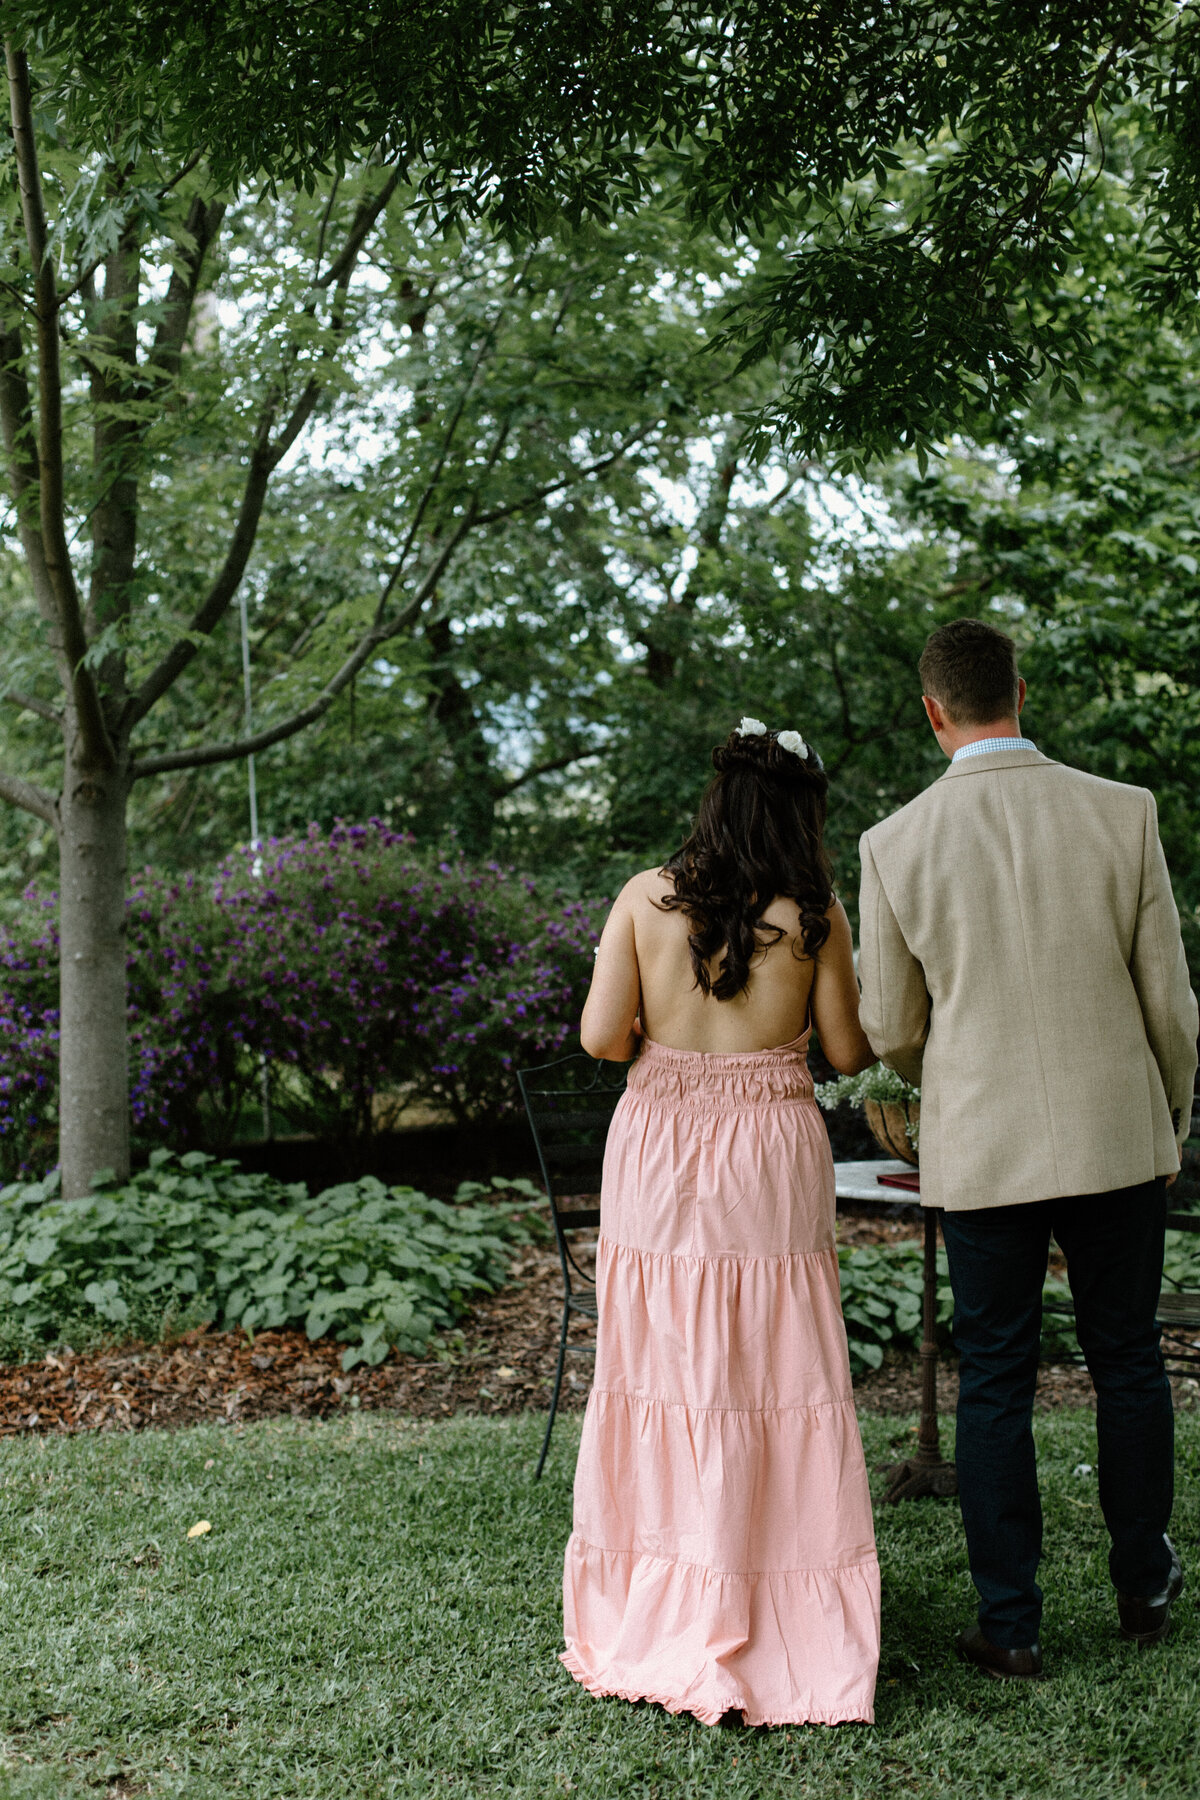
[[927, 1472]]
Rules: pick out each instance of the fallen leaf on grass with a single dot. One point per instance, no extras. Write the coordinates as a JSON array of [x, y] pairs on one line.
[[200, 1529]]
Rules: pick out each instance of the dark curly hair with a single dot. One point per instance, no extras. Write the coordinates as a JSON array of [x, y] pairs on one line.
[[758, 836]]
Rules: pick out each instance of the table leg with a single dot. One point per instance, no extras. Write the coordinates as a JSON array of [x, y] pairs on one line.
[[927, 1472]]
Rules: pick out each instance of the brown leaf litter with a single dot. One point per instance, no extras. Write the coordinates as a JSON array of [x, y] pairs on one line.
[[500, 1360]]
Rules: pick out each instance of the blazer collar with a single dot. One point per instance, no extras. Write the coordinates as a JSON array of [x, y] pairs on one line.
[[996, 759]]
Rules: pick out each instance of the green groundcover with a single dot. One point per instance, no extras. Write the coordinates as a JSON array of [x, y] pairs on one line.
[[374, 1612]]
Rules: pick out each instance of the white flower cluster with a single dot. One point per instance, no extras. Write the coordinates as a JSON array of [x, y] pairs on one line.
[[787, 740]]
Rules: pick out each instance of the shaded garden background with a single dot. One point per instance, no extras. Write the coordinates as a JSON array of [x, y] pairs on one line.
[[688, 418], [555, 710]]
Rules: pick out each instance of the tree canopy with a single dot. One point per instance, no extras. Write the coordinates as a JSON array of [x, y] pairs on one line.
[[924, 164]]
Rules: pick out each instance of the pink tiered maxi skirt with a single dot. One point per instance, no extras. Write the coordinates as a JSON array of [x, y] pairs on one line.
[[723, 1552]]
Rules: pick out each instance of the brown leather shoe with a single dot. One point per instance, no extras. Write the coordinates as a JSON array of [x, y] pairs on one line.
[[1024, 1664], [1148, 1621]]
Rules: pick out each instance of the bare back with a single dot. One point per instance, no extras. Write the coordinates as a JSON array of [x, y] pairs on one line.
[[644, 977], [771, 1010]]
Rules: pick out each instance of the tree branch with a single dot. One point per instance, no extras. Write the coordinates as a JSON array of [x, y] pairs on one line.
[[116, 441], [212, 608], [30, 703], [430, 488], [982, 582], [265, 458], [839, 681], [97, 746], [576, 474], [202, 756], [29, 798], [82, 282], [486, 346], [319, 258], [16, 420], [504, 789], [181, 174], [202, 224], [369, 210], [425, 588], [376, 635]]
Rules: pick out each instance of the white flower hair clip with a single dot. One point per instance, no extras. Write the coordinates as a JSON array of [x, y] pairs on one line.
[[787, 740]]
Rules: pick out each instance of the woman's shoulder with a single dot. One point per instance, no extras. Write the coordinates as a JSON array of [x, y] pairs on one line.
[[647, 884], [641, 902]]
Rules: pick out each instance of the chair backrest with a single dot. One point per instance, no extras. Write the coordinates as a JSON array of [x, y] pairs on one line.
[[570, 1104]]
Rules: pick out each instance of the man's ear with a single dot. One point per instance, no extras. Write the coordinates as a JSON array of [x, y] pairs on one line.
[[1020, 694], [933, 712]]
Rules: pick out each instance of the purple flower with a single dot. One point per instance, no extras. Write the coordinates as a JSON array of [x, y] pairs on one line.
[[347, 967]]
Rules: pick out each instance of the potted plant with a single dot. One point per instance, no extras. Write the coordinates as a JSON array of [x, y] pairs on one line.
[[890, 1105]]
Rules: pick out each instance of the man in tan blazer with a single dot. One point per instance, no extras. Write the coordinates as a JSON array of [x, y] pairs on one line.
[[1021, 961]]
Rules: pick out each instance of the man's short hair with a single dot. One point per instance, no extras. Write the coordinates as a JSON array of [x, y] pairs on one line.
[[970, 669]]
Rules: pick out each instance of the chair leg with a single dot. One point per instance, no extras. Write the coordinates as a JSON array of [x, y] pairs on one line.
[[558, 1375]]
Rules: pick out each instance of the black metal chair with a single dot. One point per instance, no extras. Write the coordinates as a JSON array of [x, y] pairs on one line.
[[570, 1104]]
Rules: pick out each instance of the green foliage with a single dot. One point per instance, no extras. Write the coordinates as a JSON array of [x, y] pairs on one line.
[[190, 1240], [629, 583], [928, 162], [959, 231], [525, 399], [1181, 1263], [883, 1287], [1080, 521]]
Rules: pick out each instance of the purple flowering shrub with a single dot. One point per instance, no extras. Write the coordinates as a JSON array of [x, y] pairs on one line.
[[347, 965], [29, 1040], [373, 969], [188, 1081]]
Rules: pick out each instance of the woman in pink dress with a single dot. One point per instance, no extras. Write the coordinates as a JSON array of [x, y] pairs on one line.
[[722, 1559]]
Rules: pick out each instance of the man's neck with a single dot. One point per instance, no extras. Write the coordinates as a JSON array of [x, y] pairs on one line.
[[957, 737]]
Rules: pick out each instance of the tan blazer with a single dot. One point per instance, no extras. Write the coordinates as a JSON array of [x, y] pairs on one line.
[[1021, 960]]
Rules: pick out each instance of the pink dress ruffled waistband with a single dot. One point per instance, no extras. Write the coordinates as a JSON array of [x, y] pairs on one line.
[[722, 1081]]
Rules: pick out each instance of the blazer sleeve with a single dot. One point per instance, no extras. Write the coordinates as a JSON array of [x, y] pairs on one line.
[[895, 1005], [1159, 969]]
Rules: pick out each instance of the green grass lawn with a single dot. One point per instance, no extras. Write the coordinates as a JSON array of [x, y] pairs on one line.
[[376, 1613]]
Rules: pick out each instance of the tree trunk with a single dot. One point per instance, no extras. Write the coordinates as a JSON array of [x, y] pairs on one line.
[[93, 1066], [475, 789]]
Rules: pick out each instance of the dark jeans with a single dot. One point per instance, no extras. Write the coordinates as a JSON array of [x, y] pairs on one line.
[[1113, 1244]]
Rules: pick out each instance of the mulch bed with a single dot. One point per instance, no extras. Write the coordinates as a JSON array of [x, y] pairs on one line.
[[500, 1361]]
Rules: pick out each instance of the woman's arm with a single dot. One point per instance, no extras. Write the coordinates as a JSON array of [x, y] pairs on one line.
[[834, 999], [609, 1028]]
